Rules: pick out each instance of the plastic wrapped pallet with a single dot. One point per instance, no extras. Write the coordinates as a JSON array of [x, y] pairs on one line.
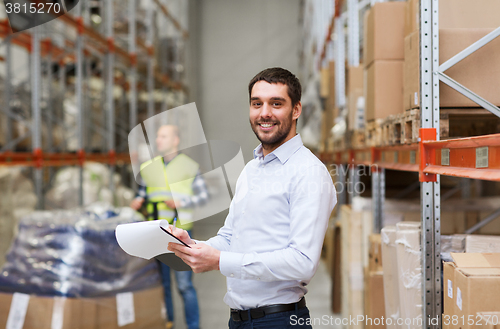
[[96, 180], [391, 278], [408, 251], [74, 253]]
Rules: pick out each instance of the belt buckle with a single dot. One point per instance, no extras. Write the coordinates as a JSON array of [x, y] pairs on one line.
[[257, 314]]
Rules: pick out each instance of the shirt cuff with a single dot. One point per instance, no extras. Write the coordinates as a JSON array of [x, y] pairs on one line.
[[230, 264]]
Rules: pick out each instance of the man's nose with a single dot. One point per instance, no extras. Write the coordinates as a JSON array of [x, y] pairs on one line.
[[266, 111]]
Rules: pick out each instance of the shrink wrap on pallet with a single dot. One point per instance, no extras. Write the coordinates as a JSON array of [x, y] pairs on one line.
[[391, 277], [408, 252]]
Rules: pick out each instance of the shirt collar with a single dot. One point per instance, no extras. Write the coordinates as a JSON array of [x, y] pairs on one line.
[[283, 152]]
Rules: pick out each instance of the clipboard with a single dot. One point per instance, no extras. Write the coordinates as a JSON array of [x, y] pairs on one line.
[[148, 240]]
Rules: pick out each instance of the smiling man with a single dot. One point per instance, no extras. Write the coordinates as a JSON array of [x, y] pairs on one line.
[[270, 243]]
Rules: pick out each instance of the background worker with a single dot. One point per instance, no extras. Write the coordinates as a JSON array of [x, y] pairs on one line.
[[160, 205], [270, 244]]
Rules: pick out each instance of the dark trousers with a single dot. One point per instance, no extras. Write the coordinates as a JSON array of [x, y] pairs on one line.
[[297, 319]]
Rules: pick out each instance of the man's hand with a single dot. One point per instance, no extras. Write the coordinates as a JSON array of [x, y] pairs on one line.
[[136, 203], [180, 234], [200, 257], [170, 204]]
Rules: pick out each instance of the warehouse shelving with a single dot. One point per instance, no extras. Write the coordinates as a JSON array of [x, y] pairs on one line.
[[473, 157], [96, 52]]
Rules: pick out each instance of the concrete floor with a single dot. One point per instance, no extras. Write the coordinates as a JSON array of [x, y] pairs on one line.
[[211, 287]]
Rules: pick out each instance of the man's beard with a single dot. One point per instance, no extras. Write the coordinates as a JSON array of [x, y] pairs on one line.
[[271, 140]]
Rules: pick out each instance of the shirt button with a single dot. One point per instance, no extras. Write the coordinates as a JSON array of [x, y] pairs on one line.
[[232, 275], [229, 289], [258, 279]]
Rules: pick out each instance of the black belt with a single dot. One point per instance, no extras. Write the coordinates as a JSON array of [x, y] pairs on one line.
[[259, 312]]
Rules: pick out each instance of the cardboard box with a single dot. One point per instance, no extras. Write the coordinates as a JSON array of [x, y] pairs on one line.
[[353, 222], [479, 72], [374, 300], [482, 243], [324, 83], [331, 101], [82, 313], [449, 294], [356, 110], [391, 279], [455, 14], [327, 123], [384, 32], [477, 280], [354, 79], [354, 90], [328, 246], [375, 254], [384, 89]]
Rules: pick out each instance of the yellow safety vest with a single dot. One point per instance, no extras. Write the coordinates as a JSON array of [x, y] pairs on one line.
[[166, 182]]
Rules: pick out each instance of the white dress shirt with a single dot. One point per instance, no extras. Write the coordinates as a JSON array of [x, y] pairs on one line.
[[271, 240]]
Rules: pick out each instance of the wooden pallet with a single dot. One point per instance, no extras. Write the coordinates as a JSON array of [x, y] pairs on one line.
[[373, 133], [404, 128]]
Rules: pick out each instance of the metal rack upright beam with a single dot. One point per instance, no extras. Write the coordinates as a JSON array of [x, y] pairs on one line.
[[36, 135], [430, 184], [79, 98], [133, 74], [110, 78]]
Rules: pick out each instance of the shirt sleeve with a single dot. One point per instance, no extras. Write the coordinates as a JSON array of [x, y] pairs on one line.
[[312, 199], [222, 240], [200, 193]]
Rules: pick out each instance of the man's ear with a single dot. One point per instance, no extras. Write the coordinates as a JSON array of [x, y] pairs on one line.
[[297, 110]]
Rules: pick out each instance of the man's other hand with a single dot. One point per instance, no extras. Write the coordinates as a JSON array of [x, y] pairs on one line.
[[200, 257], [170, 204], [136, 203], [181, 234]]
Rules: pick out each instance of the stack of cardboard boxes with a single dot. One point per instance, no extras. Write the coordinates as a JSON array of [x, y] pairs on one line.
[[383, 59], [391, 58], [355, 98], [471, 290], [327, 93], [461, 23], [137, 310]]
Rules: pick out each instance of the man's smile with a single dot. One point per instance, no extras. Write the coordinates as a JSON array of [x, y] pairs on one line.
[[266, 126]]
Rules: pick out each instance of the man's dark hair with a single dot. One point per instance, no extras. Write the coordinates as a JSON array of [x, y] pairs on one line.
[[279, 75]]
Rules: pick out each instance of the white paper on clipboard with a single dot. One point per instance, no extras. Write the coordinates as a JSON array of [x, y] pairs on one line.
[[144, 239]]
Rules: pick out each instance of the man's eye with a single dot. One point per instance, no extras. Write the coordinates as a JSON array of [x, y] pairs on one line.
[[256, 104], [276, 104]]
